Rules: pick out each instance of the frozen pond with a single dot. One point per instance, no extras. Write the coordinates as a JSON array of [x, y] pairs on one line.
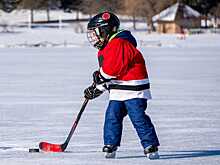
[[41, 91]]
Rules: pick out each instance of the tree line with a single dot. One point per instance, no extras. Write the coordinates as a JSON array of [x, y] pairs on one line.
[[135, 8]]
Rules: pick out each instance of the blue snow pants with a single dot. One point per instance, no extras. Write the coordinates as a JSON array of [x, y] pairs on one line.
[[135, 108]]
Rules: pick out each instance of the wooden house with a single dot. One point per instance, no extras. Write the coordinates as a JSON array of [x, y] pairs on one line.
[[176, 18]]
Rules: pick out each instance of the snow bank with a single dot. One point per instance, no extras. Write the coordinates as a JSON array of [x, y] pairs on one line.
[[67, 37]]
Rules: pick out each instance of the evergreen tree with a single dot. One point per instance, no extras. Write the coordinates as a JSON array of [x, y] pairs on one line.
[[8, 5]]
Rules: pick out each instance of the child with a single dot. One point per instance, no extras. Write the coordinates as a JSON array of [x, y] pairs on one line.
[[123, 72]]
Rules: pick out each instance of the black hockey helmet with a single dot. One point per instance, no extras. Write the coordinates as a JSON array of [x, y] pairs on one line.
[[101, 27]]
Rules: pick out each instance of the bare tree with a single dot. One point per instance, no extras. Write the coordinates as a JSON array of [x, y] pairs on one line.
[[146, 9], [95, 6], [1, 4], [36, 5], [29, 4], [216, 13], [130, 8], [216, 10]]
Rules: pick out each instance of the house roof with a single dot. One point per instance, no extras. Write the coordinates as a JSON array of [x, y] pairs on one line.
[[170, 13]]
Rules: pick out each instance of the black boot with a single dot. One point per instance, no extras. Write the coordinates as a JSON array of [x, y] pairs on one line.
[[152, 152], [110, 151]]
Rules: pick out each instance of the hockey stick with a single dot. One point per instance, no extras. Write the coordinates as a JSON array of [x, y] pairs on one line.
[[49, 147]]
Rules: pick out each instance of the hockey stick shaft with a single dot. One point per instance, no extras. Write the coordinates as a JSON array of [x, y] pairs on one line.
[[75, 124]]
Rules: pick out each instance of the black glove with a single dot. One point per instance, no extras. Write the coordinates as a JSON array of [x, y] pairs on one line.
[[98, 78], [92, 92]]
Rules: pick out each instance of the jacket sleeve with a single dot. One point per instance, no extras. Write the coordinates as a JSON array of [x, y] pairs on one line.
[[117, 58]]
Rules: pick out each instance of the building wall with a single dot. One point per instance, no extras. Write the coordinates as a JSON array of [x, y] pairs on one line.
[[167, 27], [188, 23], [178, 25]]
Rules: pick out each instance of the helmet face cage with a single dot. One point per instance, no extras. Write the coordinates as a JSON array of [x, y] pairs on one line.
[[96, 38]]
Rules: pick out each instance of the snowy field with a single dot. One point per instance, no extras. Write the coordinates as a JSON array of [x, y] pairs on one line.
[[41, 92]]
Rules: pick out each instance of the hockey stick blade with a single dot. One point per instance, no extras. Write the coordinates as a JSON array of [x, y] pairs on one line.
[[49, 147]]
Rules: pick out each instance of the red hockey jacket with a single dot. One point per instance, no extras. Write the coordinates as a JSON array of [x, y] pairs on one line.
[[121, 62]]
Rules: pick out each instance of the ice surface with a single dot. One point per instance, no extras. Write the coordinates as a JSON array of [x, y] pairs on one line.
[[41, 91]]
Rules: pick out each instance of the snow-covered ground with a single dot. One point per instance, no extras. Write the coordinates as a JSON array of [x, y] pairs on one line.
[[41, 92]]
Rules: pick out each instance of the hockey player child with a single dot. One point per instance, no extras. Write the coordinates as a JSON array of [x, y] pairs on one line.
[[123, 73]]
